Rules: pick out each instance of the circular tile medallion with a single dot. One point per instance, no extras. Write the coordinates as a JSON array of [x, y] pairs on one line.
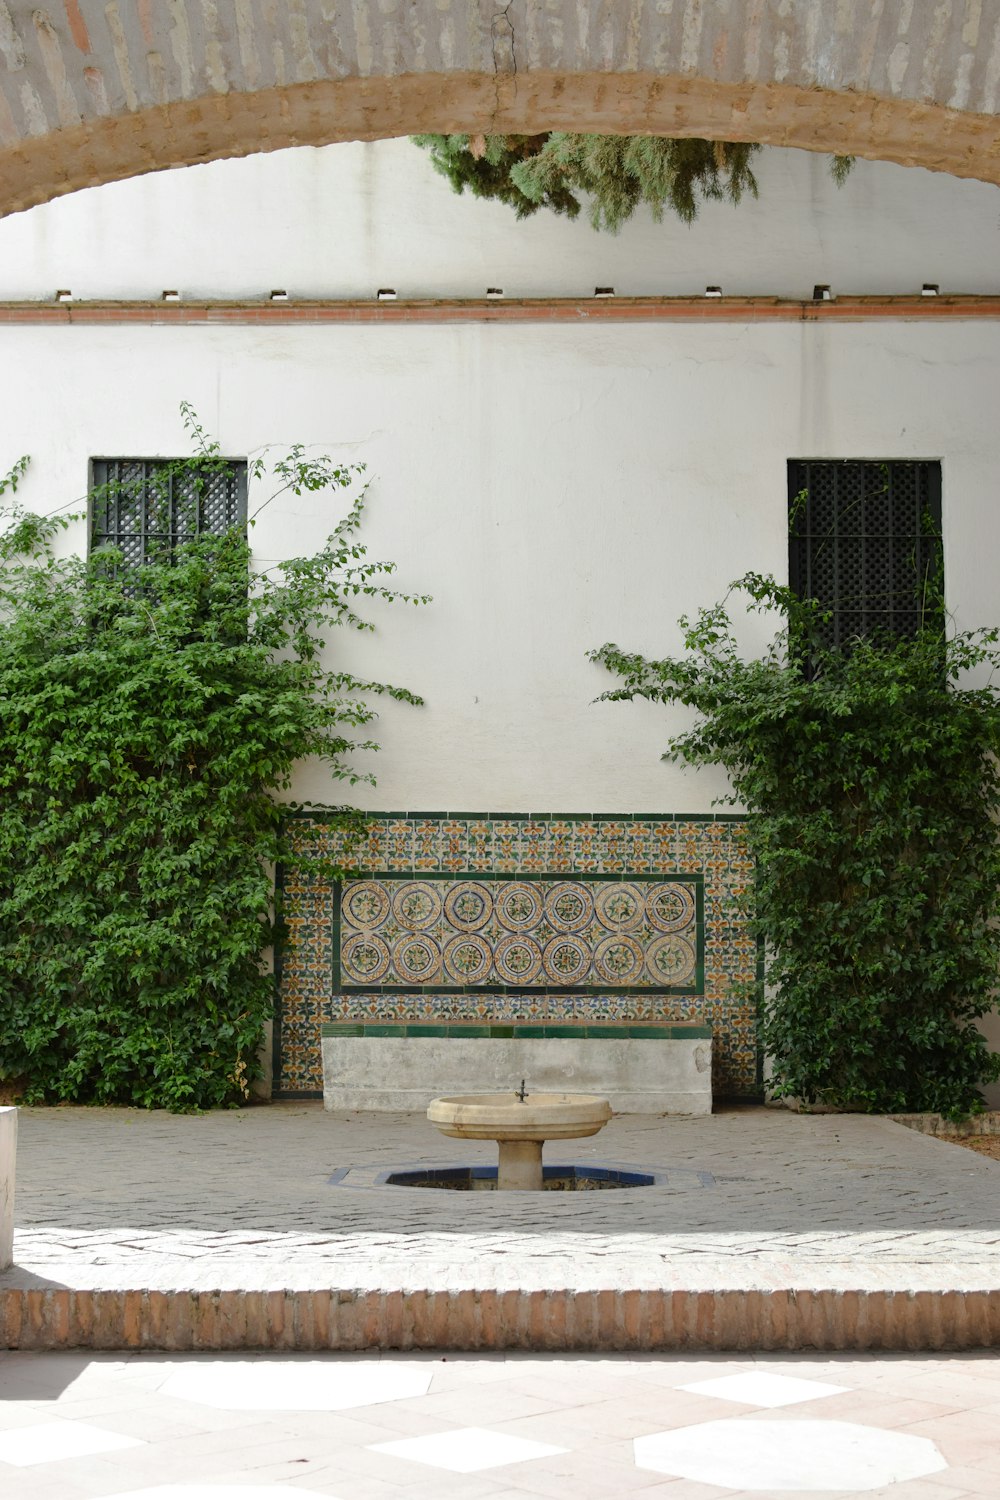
[[468, 959], [469, 905], [416, 905], [417, 959], [670, 906], [620, 908], [366, 904], [569, 906], [518, 959], [518, 906], [566, 959], [618, 959], [364, 959], [670, 960]]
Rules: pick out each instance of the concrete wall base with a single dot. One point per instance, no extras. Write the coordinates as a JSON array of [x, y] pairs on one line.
[[931, 1124], [8, 1158], [650, 1077], [737, 1319]]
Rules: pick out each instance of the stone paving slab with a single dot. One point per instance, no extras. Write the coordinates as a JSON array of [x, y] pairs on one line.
[[812, 1227]]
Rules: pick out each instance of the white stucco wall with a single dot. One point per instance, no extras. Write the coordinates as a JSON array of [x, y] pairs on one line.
[[343, 221], [552, 486]]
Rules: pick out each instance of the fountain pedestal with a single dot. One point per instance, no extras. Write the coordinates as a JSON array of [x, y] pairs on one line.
[[520, 1166], [520, 1124]]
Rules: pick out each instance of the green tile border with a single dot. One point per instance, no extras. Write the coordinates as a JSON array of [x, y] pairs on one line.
[[277, 1008], [555, 877], [320, 815], [518, 1030]]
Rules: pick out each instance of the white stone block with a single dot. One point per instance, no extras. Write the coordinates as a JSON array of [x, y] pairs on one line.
[[638, 1076], [8, 1158]]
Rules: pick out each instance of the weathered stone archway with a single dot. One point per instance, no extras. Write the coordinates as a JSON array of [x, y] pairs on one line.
[[94, 90]]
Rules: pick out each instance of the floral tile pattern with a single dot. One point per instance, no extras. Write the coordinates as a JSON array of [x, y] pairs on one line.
[[541, 933], [518, 918]]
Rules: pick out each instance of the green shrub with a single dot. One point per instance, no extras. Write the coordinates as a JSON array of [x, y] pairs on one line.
[[151, 718], [872, 780]]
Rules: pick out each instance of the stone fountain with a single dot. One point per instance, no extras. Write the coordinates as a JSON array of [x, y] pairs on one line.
[[520, 1123]]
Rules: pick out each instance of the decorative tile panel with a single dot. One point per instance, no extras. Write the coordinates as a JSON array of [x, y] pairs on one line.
[[504, 919], [539, 933]]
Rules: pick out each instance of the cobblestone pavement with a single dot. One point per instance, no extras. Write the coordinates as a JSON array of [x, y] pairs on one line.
[[118, 1198], [76, 1426]]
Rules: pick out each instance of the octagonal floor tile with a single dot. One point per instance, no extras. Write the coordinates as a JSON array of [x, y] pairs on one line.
[[467, 1450], [47, 1442], [295, 1385], [747, 1454], [213, 1492], [758, 1388]]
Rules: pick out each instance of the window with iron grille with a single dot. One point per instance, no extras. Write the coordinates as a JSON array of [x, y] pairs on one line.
[[147, 507], [864, 539]]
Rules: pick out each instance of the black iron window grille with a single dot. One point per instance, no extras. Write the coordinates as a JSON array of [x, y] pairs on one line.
[[147, 507], [864, 539]]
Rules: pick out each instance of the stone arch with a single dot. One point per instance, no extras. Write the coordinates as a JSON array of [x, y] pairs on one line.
[[93, 91]]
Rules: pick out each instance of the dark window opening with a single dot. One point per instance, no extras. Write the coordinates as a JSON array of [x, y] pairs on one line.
[[864, 539], [148, 507]]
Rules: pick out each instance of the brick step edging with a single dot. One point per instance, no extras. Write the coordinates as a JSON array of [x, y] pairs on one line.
[[59, 1318]]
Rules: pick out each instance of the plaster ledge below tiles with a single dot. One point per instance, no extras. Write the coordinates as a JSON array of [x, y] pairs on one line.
[[639, 1076]]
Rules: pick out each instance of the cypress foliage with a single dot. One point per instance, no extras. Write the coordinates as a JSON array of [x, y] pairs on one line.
[[617, 173]]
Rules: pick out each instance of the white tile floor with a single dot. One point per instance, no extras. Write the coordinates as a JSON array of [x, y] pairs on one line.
[[757, 1388], [49, 1442], [468, 1450], [427, 1427], [306, 1385], [209, 1492]]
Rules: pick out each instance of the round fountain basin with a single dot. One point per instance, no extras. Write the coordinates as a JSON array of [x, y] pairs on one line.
[[505, 1117]]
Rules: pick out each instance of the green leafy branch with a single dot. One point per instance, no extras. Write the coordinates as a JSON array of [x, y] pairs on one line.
[[872, 781], [154, 716]]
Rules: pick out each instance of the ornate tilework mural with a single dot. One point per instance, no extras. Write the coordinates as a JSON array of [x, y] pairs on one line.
[[515, 919], [544, 933]]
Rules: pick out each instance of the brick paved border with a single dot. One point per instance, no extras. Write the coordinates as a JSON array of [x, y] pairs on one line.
[[725, 1320]]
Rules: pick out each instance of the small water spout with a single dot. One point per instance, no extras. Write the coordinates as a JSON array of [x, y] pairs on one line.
[[521, 1093]]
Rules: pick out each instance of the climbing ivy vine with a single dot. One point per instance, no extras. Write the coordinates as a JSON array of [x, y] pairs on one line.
[[152, 718], [873, 783]]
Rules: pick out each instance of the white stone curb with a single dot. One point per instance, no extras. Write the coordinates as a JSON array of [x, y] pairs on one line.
[[8, 1158]]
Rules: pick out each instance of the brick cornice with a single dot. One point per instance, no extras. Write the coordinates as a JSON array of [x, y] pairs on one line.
[[698, 309]]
